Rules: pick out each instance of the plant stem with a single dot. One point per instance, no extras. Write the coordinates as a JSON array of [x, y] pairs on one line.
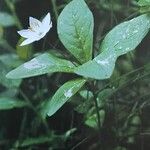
[[55, 8], [97, 112], [96, 104], [11, 6]]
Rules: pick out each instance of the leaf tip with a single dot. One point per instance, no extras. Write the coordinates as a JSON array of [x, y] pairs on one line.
[[10, 75]]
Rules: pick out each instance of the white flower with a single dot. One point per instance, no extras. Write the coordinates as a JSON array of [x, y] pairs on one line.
[[37, 29]]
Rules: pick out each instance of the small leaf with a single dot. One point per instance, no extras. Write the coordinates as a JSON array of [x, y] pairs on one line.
[[64, 93], [92, 121], [75, 30], [45, 63], [120, 40], [10, 103], [6, 19]]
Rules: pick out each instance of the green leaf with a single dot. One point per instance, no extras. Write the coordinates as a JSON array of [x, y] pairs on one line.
[[127, 35], [45, 63], [120, 40], [144, 2], [6, 19], [75, 30], [64, 93], [10, 103], [101, 67], [7, 82], [92, 121], [12, 60]]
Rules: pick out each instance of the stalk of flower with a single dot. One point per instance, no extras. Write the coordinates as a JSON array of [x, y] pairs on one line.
[[37, 29]]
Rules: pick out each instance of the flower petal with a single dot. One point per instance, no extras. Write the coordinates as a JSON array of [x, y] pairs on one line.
[[27, 33], [47, 19], [46, 23], [35, 24], [27, 41]]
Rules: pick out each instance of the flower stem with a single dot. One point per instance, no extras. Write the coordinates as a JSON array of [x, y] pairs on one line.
[[55, 8]]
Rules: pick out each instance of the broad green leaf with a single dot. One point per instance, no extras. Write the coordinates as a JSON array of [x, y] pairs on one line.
[[10, 103], [45, 63], [120, 40], [64, 93], [127, 35], [75, 30], [101, 67], [6, 19], [144, 2]]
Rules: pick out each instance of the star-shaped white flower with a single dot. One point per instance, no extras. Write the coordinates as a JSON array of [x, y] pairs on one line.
[[37, 29]]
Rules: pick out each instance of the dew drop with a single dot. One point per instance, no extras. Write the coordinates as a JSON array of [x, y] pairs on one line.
[[68, 93], [124, 36], [127, 49]]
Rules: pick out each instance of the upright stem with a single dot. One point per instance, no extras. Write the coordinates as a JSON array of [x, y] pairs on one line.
[[10, 5], [96, 105], [97, 112], [55, 8]]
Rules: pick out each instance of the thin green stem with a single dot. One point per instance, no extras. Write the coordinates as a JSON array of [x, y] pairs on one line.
[[55, 8], [92, 86], [97, 112], [11, 6]]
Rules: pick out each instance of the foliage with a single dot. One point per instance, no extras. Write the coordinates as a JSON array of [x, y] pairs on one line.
[[88, 85]]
